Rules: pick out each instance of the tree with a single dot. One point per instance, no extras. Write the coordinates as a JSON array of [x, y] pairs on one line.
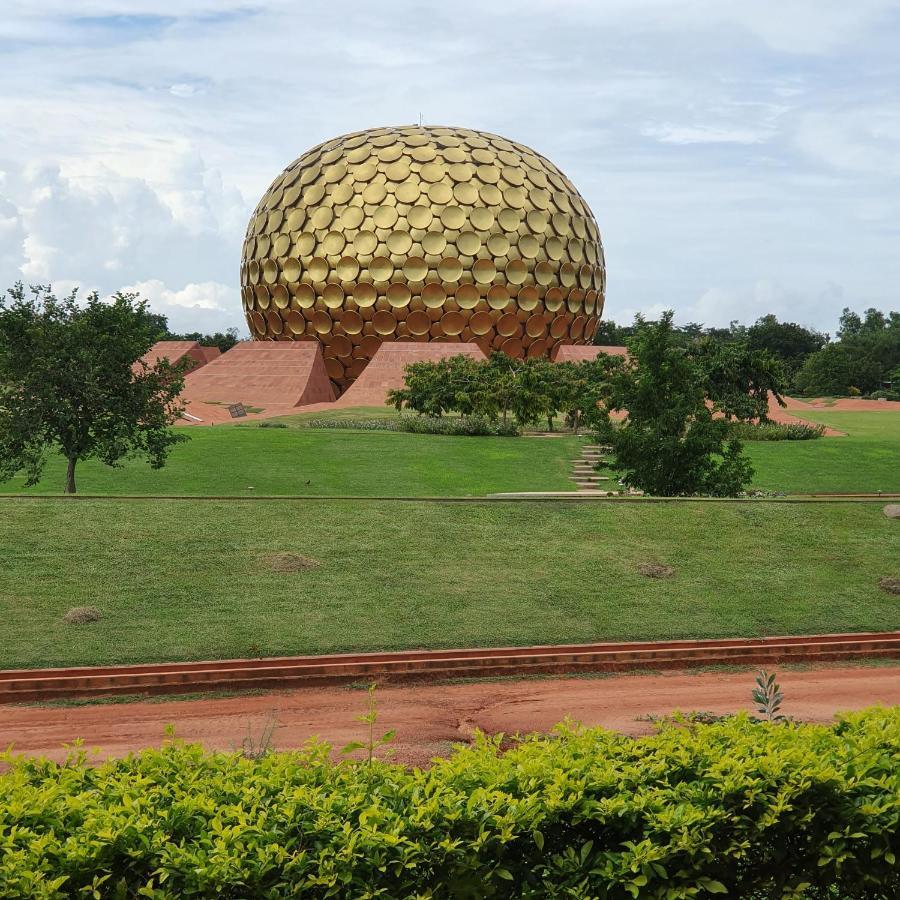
[[72, 378], [828, 372], [608, 334], [669, 444], [790, 342], [865, 355], [435, 388], [739, 380], [223, 340]]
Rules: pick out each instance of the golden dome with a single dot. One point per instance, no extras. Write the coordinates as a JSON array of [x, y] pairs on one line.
[[422, 233]]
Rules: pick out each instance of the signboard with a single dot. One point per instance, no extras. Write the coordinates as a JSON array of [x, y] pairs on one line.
[[237, 410]]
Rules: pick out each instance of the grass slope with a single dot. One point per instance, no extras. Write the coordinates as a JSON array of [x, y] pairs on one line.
[[229, 460], [188, 580], [867, 459]]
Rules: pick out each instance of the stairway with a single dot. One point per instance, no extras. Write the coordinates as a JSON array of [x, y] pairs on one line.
[[584, 471]]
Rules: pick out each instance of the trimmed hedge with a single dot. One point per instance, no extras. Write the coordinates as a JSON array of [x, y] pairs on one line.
[[776, 431], [736, 808], [465, 426]]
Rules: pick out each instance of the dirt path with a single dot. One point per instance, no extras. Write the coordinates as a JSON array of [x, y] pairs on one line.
[[430, 718]]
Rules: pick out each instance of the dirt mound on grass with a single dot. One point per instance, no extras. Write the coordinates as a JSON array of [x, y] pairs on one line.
[[81, 615], [889, 584], [656, 570], [289, 562]]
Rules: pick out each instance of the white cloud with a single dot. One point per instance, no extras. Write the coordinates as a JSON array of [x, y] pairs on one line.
[[106, 229], [703, 134], [722, 145], [858, 138], [208, 306]]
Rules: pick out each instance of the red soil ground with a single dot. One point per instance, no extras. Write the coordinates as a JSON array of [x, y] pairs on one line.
[[850, 404], [429, 719]]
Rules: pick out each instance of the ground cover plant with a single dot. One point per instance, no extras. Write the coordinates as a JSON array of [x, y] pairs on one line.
[[181, 579], [734, 808], [230, 460]]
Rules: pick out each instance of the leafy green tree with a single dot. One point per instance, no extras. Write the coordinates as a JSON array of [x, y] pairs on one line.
[[436, 388], [790, 342], [224, 340], [669, 444], [582, 386], [828, 372], [531, 398], [739, 379], [608, 334], [160, 325], [72, 379], [864, 356]]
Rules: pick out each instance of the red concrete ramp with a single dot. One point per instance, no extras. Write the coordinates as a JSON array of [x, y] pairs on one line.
[[210, 353], [274, 377], [175, 351], [386, 369], [572, 353]]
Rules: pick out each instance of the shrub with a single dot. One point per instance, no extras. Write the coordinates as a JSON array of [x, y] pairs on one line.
[[776, 431], [470, 426], [272, 425], [355, 424], [736, 807]]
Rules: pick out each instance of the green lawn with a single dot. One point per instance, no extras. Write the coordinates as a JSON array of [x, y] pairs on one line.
[[253, 461], [189, 580], [867, 459], [250, 461]]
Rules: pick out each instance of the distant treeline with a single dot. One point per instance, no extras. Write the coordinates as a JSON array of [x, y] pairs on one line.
[[223, 340], [863, 357]]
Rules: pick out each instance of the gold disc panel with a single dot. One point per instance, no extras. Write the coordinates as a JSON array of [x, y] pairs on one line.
[[422, 233]]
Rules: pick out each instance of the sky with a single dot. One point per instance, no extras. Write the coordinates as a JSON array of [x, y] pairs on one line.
[[740, 158]]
